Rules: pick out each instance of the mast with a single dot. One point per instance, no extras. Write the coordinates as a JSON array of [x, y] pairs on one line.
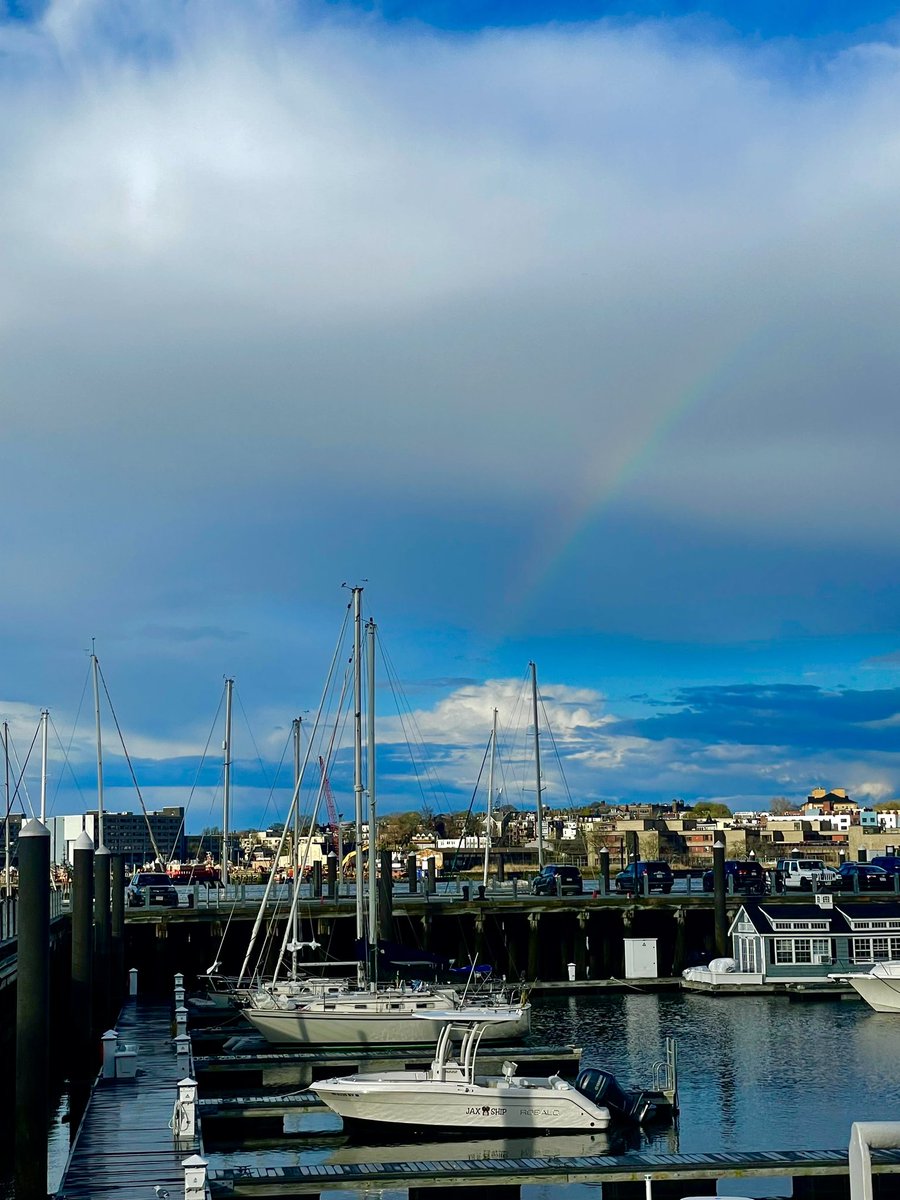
[[370, 763], [6, 875], [45, 717], [95, 665], [357, 773], [490, 800], [226, 805], [295, 874], [537, 766]]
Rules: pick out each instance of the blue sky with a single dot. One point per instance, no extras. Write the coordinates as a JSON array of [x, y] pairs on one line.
[[571, 330]]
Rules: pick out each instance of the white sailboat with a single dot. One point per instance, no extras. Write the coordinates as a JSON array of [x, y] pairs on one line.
[[368, 1014]]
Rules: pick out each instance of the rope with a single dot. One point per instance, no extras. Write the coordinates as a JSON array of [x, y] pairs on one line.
[[157, 855]]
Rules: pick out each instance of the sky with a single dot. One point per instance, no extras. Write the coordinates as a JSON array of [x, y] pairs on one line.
[[570, 329]]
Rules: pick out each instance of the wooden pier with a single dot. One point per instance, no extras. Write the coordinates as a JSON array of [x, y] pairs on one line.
[[124, 1147]]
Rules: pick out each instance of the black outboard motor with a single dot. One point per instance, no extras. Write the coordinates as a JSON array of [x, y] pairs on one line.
[[601, 1087]]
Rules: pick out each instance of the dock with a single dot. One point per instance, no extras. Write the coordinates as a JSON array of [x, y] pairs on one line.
[[124, 1147]]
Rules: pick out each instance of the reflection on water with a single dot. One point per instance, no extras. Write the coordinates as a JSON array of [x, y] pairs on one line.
[[755, 1073]]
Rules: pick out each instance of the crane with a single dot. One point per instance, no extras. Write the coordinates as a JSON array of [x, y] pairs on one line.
[[329, 796]]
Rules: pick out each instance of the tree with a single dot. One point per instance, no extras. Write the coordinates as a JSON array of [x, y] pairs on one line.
[[707, 808], [396, 830], [887, 806], [779, 805]]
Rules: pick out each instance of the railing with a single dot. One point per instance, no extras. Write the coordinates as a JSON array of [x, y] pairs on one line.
[[8, 918]]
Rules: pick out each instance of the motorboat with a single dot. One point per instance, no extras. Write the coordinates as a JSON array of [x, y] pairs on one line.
[[879, 986], [452, 1094]]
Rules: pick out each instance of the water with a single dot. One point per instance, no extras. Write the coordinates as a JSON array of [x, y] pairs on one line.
[[755, 1073]]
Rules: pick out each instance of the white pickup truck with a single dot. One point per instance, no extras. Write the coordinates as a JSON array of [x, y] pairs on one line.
[[807, 874]]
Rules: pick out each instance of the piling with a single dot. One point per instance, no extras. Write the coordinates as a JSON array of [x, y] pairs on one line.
[[102, 938], [412, 874], [385, 897], [430, 876], [117, 928], [316, 881], [604, 870], [331, 875], [721, 915], [81, 997], [32, 1012]]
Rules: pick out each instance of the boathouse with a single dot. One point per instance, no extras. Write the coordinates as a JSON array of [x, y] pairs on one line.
[[797, 943]]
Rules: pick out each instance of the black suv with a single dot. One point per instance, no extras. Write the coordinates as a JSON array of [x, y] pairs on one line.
[[747, 877], [151, 887], [569, 880], [658, 872]]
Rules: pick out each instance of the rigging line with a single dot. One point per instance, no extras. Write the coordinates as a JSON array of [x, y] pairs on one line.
[[562, 772], [271, 785], [469, 812], [15, 793], [67, 764], [416, 738], [156, 852], [67, 752], [295, 800], [200, 765]]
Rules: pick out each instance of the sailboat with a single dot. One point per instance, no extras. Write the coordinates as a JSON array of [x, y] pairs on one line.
[[368, 1013]]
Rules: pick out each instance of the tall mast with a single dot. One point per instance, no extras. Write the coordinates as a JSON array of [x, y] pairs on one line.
[[370, 763], [358, 788], [226, 805], [96, 672], [295, 874], [45, 718], [537, 766], [490, 800], [6, 875]]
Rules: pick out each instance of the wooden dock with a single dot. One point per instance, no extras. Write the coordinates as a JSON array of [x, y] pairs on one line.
[[476, 1174], [124, 1146]]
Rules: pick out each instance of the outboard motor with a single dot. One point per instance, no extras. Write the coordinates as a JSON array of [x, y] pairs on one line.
[[602, 1088]]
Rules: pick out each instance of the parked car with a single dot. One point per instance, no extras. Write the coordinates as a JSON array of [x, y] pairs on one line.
[[806, 874], [556, 879], [747, 877], [887, 862], [871, 878], [151, 887], [658, 872]]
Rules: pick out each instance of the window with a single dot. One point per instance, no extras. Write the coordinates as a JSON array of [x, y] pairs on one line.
[[802, 950], [876, 949]]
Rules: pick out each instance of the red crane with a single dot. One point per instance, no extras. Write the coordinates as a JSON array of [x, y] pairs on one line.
[[329, 796]]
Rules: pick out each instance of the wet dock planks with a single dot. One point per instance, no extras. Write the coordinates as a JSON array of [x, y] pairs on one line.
[[633, 1167], [125, 1148]]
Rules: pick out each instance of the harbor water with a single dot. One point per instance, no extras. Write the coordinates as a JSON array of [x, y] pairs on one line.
[[755, 1073]]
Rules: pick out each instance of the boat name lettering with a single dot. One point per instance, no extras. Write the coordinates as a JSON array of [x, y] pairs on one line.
[[485, 1110]]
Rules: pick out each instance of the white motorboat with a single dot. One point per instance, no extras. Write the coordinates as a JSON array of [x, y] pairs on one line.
[[879, 986], [452, 1094]]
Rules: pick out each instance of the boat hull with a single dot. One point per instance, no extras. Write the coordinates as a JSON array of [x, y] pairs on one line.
[[882, 994], [416, 1101], [367, 1028]]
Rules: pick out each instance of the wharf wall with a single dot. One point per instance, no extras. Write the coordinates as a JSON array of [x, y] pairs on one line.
[[527, 940]]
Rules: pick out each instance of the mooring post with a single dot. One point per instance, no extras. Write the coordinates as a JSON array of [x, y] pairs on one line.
[[117, 929], [103, 1013], [32, 1012], [386, 897], [430, 876], [331, 875], [315, 885], [721, 915], [604, 870], [412, 876], [81, 996], [195, 1177], [133, 981]]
